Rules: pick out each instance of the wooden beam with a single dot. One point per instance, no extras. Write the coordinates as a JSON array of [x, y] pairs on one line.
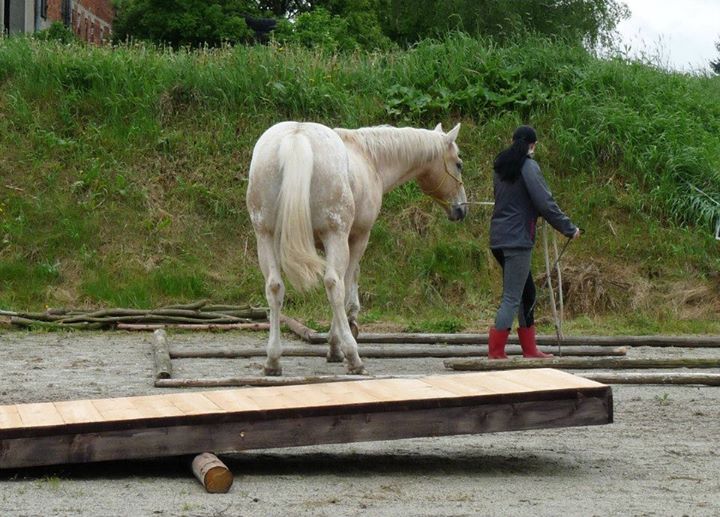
[[161, 354], [702, 341], [390, 352], [674, 378], [193, 326], [572, 363], [305, 333], [217, 382]]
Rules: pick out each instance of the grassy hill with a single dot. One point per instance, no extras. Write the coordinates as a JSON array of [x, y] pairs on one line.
[[123, 175]]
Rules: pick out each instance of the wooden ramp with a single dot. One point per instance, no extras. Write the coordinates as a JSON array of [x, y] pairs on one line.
[[260, 418]]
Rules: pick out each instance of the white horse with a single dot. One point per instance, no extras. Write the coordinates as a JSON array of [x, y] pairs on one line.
[[312, 187]]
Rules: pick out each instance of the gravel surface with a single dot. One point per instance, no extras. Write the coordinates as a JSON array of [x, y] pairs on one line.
[[660, 457]]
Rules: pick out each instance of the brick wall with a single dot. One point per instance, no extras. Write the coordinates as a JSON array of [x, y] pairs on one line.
[[92, 20], [54, 11]]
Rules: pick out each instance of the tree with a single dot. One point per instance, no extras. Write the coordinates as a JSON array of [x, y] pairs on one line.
[[586, 21], [184, 22], [715, 65]]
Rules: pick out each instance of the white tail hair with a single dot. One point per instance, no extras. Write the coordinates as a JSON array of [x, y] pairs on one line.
[[294, 239]]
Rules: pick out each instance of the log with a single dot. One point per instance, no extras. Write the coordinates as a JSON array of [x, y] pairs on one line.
[[163, 365], [702, 341], [386, 352], [305, 333], [707, 379], [212, 473], [215, 382], [573, 363], [193, 326]]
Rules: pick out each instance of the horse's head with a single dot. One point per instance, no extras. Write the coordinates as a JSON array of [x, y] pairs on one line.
[[443, 178]]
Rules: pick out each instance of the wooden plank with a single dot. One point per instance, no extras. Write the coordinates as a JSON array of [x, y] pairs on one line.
[[574, 363], [564, 408], [76, 411], [39, 414], [193, 403], [9, 417]]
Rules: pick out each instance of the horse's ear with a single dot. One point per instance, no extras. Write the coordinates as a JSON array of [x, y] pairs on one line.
[[452, 135], [438, 128]]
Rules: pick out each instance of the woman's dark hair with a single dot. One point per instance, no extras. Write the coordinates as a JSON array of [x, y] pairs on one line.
[[509, 162]]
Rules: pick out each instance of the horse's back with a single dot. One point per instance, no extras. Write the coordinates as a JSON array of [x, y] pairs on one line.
[[277, 152]]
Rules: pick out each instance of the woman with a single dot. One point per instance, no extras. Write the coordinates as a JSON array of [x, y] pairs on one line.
[[521, 195]]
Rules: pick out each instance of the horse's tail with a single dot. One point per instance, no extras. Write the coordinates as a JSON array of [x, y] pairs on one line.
[[294, 239]]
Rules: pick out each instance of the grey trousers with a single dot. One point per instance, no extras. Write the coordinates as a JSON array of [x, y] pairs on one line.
[[518, 288]]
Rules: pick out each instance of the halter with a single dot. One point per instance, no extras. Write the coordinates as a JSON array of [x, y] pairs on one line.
[[442, 182]]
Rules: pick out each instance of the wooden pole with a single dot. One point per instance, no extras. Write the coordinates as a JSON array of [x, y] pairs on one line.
[[216, 382], [163, 365], [212, 473], [575, 363], [388, 352], [193, 326], [305, 333], [707, 379], [701, 341]]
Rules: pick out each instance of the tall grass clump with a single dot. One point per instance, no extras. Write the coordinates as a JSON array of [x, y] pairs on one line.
[[124, 168]]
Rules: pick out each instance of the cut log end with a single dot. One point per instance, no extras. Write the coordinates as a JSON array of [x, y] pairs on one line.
[[212, 473]]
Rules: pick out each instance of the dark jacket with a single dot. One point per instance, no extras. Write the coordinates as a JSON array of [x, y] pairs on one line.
[[518, 205]]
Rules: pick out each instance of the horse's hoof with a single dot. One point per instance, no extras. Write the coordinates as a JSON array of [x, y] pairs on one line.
[[354, 329], [272, 372], [357, 370], [335, 357]]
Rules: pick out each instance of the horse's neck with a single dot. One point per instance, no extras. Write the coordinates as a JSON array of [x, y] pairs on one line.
[[398, 155]]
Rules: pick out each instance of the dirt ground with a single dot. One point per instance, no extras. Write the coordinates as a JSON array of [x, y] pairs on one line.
[[660, 457]]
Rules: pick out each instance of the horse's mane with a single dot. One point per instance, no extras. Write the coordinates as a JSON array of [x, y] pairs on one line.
[[406, 144]]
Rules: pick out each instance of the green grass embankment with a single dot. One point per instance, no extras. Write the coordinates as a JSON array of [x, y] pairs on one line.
[[123, 175]]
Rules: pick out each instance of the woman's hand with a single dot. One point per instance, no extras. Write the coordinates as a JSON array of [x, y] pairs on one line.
[[576, 234]]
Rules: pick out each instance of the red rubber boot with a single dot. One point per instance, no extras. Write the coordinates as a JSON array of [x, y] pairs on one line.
[[496, 343], [526, 335]]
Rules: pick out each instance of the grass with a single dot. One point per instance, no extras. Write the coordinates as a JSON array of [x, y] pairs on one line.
[[123, 174]]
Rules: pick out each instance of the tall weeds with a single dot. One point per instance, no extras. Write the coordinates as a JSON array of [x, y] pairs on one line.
[[133, 158]]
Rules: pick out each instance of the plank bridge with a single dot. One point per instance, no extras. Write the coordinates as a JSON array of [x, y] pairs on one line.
[[231, 420]]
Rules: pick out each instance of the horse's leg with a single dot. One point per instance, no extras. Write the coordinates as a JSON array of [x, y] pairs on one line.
[[358, 244], [274, 292], [337, 256]]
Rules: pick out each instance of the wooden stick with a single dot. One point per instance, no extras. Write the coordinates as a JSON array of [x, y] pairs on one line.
[[561, 301], [384, 352], [269, 381], [593, 363], [163, 365], [212, 473], [193, 326], [707, 379], [553, 307], [305, 333]]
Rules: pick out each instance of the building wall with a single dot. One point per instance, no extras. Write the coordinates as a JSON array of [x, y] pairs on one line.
[[21, 16], [90, 20]]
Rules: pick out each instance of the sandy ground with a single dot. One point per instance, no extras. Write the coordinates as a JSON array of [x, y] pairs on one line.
[[660, 457]]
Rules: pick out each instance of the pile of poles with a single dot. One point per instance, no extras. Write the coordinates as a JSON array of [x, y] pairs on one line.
[[195, 316]]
